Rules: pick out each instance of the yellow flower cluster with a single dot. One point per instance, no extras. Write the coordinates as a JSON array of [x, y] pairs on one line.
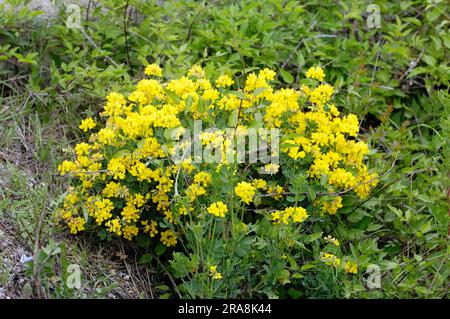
[[324, 140], [114, 226], [315, 73], [87, 124], [224, 81], [245, 191], [76, 224], [271, 168], [218, 209], [153, 69], [201, 181], [332, 206], [126, 182], [351, 267], [294, 214], [168, 238], [150, 228]]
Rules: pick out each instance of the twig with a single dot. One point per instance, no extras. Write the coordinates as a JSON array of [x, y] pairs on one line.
[[412, 65], [170, 277], [188, 37], [87, 10], [96, 46], [125, 25]]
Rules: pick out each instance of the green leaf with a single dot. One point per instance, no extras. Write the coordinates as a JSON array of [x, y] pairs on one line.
[[239, 94], [395, 210], [287, 77], [356, 216], [27, 291], [313, 237], [430, 60], [244, 247], [145, 259], [311, 194], [121, 153], [307, 267], [233, 119], [160, 249], [258, 91], [143, 241]]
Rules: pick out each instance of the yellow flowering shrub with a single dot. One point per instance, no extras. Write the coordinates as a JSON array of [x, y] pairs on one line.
[[126, 181]]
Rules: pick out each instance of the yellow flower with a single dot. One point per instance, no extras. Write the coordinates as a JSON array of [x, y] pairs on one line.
[[332, 240], [299, 214], [276, 192], [224, 81], [130, 213], [245, 191], [153, 69], [115, 103], [106, 136], [87, 124], [211, 95], [67, 167], [351, 267], [130, 231], [76, 225], [150, 228], [276, 216], [260, 184], [168, 238], [330, 259], [194, 191], [182, 211], [321, 95], [342, 178], [365, 182], [202, 178], [70, 200], [214, 273], [295, 214], [113, 189], [82, 149], [114, 226], [197, 71], [218, 209], [267, 74], [332, 207], [117, 168], [271, 168], [142, 172], [102, 210], [315, 73]]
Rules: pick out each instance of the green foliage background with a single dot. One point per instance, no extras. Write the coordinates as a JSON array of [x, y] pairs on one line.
[[395, 77]]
